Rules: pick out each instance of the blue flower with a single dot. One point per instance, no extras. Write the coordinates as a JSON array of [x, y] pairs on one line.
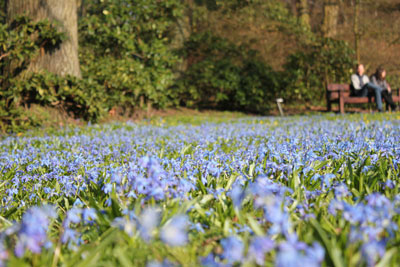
[[210, 261], [107, 188], [69, 235], [237, 194], [294, 254], [148, 221], [73, 216], [89, 214], [372, 251], [259, 246], [233, 249], [3, 253], [174, 232], [33, 229]]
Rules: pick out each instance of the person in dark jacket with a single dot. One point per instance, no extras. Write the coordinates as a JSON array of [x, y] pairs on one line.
[[379, 79], [362, 85]]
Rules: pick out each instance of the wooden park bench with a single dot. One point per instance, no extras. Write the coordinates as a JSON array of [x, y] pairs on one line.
[[340, 94]]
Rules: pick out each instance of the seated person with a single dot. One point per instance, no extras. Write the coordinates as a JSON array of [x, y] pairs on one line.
[[379, 79], [361, 85]]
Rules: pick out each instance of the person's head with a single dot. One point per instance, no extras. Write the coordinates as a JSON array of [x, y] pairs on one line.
[[380, 73], [360, 69]]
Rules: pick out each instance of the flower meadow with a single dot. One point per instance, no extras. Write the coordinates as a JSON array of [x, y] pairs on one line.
[[302, 191]]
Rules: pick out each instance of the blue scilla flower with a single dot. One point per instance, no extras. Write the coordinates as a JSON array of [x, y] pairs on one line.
[[233, 249], [174, 232], [108, 202], [78, 203], [336, 205], [389, 184], [32, 234], [237, 195], [378, 200], [210, 261], [372, 251], [315, 253], [69, 235], [89, 215], [107, 188], [74, 215], [149, 219], [127, 225], [3, 253], [341, 190], [259, 246], [196, 226], [294, 254]]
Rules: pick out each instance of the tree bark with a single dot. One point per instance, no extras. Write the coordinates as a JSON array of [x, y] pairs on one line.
[[356, 30], [331, 15], [63, 60], [303, 13], [181, 33]]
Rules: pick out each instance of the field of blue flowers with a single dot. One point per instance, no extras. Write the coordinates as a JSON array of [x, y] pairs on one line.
[[309, 191]]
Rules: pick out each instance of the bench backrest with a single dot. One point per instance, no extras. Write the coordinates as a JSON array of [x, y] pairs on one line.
[[338, 87], [333, 90]]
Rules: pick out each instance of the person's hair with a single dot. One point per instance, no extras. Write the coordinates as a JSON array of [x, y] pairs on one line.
[[379, 72]]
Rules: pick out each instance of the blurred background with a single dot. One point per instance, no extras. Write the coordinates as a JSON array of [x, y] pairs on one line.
[[95, 59]]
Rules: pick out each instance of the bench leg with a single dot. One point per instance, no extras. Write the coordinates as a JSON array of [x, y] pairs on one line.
[[341, 105]]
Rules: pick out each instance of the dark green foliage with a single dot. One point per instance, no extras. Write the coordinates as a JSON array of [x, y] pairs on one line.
[[225, 76], [79, 98], [308, 71], [2, 12], [23, 40], [125, 47]]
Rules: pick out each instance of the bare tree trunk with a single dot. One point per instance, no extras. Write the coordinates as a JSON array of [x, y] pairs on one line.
[[182, 32], [331, 15], [356, 30], [61, 61], [303, 13]]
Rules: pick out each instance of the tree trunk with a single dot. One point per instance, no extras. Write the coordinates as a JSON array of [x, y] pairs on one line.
[[181, 33], [331, 15], [303, 13], [63, 60], [356, 30]]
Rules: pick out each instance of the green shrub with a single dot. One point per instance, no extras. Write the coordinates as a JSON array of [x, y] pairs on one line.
[[125, 48], [78, 97], [22, 39], [226, 76]]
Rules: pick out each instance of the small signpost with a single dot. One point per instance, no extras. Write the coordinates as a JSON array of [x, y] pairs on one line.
[[279, 102]]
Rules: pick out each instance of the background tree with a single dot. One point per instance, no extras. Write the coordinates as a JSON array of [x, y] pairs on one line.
[[303, 13], [330, 21], [62, 60], [356, 29]]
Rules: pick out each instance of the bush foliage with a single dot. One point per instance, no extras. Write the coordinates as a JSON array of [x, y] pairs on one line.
[[226, 76], [126, 49], [21, 41]]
